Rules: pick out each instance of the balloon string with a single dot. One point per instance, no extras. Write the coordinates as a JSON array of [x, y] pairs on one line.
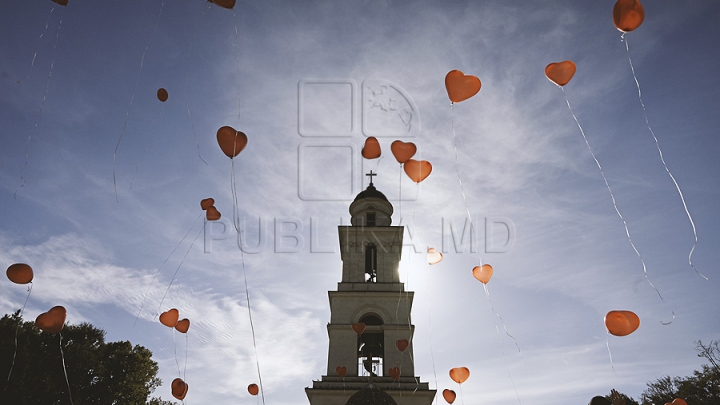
[[237, 63], [462, 188], [662, 159], [187, 343], [40, 110], [252, 327], [400, 193], [62, 356], [177, 362], [462, 400], [617, 210], [132, 99], [37, 46], [178, 269], [502, 346], [607, 343], [160, 268], [432, 355], [16, 335]]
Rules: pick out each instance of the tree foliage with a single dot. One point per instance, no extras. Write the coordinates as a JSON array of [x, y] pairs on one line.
[[702, 388], [98, 372]]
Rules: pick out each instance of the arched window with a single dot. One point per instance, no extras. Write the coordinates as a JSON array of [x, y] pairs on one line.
[[370, 350]]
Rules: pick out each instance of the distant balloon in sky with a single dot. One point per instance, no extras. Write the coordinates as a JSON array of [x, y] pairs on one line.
[[371, 149], [483, 273], [394, 372], [253, 389], [417, 170], [403, 150], [207, 203], [179, 388], [433, 256], [170, 317], [231, 141], [359, 328], [212, 214], [402, 344], [61, 2], [459, 374], [341, 371], [20, 273], [229, 4], [162, 94], [628, 15], [460, 86], [449, 395], [621, 323], [182, 325], [560, 73], [51, 321]]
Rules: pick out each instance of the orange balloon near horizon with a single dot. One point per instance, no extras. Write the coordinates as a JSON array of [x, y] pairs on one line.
[[460, 86], [253, 389], [20, 273], [628, 15], [560, 73], [621, 323], [371, 148], [459, 374], [449, 395], [483, 273], [231, 141], [403, 151], [170, 317], [51, 321], [417, 170]]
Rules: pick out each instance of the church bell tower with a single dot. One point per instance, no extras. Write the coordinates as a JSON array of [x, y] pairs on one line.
[[370, 329]]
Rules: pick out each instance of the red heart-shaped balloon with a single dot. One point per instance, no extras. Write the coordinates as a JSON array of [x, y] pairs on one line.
[[403, 150], [560, 73], [212, 214], [402, 344], [231, 141], [371, 149], [51, 321], [359, 328], [394, 372], [459, 374], [162, 94], [449, 396], [483, 273], [341, 371], [179, 388], [183, 325], [253, 389], [460, 86], [207, 203], [170, 318], [628, 15], [417, 170], [20, 273]]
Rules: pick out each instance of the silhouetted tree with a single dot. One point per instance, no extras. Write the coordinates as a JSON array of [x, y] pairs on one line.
[[98, 372]]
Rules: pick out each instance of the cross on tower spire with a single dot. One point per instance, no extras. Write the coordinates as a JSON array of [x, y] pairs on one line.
[[371, 174]]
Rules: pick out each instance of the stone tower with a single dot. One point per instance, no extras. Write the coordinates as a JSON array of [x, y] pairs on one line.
[[371, 293]]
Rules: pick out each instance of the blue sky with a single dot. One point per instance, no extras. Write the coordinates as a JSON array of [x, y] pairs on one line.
[[307, 82]]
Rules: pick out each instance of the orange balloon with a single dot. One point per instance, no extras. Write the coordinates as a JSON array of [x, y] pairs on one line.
[[483, 273], [51, 321], [179, 388], [394, 372], [231, 142], [170, 318], [183, 325], [628, 15], [253, 389], [359, 328], [460, 86], [402, 344], [341, 371], [459, 374], [449, 396], [162, 94], [417, 170], [61, 2], [433, 256], [560, 73], [371, 149], [403, 150], [621, 323], [20, 273], [229, 4], [207, 203], [212, 214], [677, 401]]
